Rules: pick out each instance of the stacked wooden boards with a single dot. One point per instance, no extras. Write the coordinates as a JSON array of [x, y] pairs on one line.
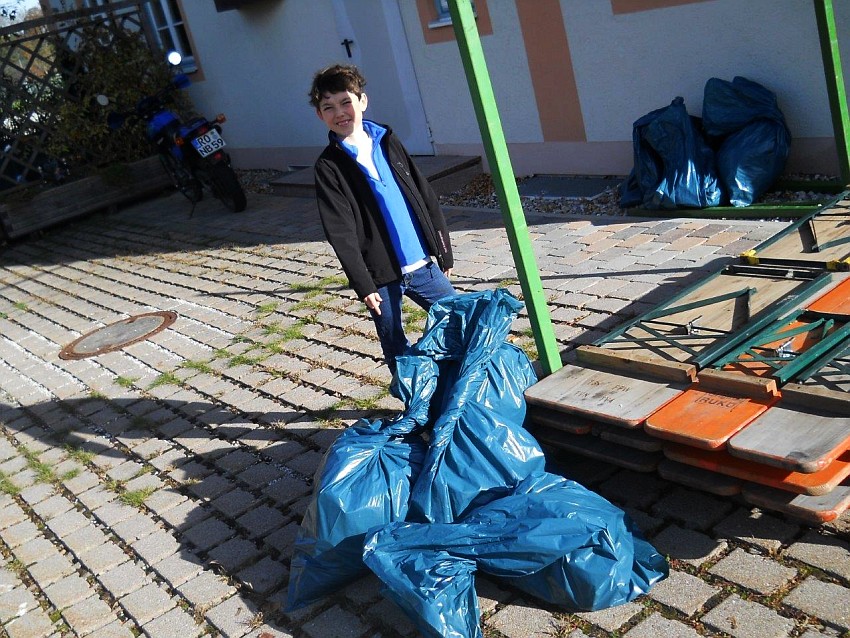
[[738, 385]]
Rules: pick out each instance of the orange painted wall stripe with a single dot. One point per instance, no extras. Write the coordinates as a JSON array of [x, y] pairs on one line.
[[551, 69], [636, 6]]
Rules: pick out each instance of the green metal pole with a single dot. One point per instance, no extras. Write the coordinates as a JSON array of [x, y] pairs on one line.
[[504, 181], [828, 36]]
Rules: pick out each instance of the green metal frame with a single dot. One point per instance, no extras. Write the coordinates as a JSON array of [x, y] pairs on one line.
[[834, 332], [811, 281], [504, 181]]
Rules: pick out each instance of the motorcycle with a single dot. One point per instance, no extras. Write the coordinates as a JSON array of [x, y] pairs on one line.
[[191, 152]]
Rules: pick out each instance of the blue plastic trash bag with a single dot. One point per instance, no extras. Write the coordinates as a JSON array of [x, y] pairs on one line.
[[673, 164], [549, 537], [363, 481], [755, 139], [478, 441]]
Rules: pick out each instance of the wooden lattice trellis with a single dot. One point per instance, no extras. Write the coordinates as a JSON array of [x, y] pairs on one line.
[[39, 68]]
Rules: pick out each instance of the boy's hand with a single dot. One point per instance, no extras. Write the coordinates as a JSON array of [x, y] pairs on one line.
[[373, 302], [448, 273]]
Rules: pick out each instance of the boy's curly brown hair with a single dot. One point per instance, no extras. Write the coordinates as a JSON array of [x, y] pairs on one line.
[[336, 79]]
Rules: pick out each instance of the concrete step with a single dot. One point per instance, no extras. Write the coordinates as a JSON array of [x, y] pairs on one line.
[[446, 173]]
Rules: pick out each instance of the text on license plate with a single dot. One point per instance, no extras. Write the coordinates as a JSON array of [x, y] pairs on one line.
[[208, 143]]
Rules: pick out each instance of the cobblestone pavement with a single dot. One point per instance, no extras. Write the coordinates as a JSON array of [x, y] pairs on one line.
[[156, 490]]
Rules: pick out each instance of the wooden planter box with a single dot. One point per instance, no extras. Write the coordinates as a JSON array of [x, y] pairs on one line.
[[67, 201]]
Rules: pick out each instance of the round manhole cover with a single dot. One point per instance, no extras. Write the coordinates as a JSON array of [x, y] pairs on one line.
[[118, 335]]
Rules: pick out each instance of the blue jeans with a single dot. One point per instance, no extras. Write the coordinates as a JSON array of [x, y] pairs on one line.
[[424, 286]]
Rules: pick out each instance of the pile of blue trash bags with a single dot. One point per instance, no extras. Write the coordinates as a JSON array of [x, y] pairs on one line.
[[455, 485], [730, 156]]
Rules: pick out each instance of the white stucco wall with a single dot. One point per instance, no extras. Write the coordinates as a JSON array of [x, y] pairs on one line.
[[259, 63]]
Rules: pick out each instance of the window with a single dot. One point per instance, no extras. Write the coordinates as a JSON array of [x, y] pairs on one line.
[[170, 30], [444, 18]]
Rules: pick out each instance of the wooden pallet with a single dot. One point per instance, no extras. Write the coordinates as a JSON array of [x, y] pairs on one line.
[[594, 447], [814, 483], [812, 509]]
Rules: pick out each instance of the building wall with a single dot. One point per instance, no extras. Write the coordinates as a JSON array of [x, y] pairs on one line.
[[601, 64]]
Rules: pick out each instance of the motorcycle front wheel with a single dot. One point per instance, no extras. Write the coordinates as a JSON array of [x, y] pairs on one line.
[[226, 187], [182, 178]]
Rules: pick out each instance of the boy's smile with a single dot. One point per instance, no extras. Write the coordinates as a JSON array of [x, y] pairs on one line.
[[342, 112]]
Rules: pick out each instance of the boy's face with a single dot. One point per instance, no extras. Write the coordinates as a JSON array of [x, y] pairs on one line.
[[342, 112]]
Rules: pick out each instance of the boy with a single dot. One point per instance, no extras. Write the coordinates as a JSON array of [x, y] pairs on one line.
[[379, 213]]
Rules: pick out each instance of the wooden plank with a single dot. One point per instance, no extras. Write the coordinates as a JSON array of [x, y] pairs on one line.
[[601, 395], [836, 300], [793, 437], [559, 420], [634, 438], [811, 509], [815, 483], [636, 364], [699, 478], [595, 448], [794, 245], [706, 418]]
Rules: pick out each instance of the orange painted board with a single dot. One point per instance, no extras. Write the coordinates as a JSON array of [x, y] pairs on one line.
[[793, 437], [705, 418], [602, 395], [815, 483], [836, 300], [812, 509]]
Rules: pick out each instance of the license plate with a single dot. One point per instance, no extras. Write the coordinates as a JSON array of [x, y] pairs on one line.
[[208, 143]]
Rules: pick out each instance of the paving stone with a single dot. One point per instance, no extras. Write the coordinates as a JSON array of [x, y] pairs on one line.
[[51, 569], [522, 620], [116, 630], [185, 515], [261, 520], [15, 602], [206, 589], [264, 576], [208, 533], [175, 622], [163, 500], [757, 528], [387, 614], [234, 617], [267, 631], [753, 572], [657, 625], [67, 523], [687, 545], [68, 591], [37, 493], [745, 619], [19, 533], [123, 579], [287, 490], [827, 601], [633, 488], [52, 507], [683, 592], [179, 569], [828, 553], [234, 553], [613, 618], [33, 624], [146, 603], [156, 547], [88, 616], [100, 559], [235, 503], [335, 623], [136, 527], [34, 550]]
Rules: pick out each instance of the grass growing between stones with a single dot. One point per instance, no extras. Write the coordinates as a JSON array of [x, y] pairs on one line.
[[7, 487]]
